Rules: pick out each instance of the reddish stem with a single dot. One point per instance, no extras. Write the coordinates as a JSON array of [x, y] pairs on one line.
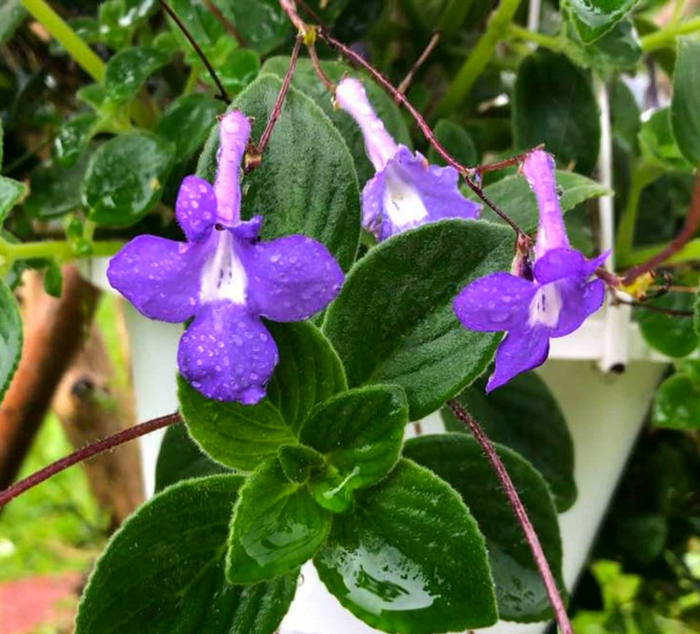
[[316, 63], [86, 452], [520, 513], [692, 220], [655, 309], [403, 86], [513, 160]]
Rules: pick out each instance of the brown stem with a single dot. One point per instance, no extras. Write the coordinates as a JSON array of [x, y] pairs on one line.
[[216, 12], [289, 7], [277, 108], [316, 63], [403, 86], [692, 220], [513, 160], [655, 309], [520, 513], [223, 95], [83, 454]]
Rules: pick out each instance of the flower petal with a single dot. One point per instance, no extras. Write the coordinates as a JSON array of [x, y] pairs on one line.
[[234, 132], [195, 208], [226, 354], [558, 264], [291, 278], [499, 301], [159, 277], [579, 301], [520, 351]]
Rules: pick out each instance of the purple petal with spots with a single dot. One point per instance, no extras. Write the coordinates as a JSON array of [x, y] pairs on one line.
[[520, 351], [160, 277], [580, 299], [499, 301], [227, 354], [291, 278], [234, 132], [195, 208], [558, 264]]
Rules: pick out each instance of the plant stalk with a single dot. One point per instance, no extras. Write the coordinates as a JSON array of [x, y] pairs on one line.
[[667, 36]]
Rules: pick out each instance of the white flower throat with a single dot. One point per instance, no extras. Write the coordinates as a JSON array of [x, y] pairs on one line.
[[401, 201], [546, 306], [223, 275]]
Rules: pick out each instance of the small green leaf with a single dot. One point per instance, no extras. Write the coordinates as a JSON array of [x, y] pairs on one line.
[[513, 194], [239, 69], [125, 178], [162, 571], [524, 415], [180, 458], [625, 114], [456, 140], [12, 14], [262, 23], [188, 121], [669, 334], [677, 403], [10, 337], [554, 104], [459, 460], [128, 70], [239, 436], [73, 138], [276, 526], [53, 280], [11, 191], [658, 145], [393, 320], [360, 433], [594, 18], [94, 95], [409, 557], [696, 316], [298, 462], [685, 104], [306, 182], [619, 48], [305, 80]]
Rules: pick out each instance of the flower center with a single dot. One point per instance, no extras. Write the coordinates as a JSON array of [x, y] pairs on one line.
[[223, 276], [402, 202], [545, 306]]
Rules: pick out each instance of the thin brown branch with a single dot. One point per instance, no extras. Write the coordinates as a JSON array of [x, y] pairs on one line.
[[316, 63], [690, 226], [512, 160], [406, 82], [223, 95], [216, 12], [651, 307], [83, 454], [520, 513]]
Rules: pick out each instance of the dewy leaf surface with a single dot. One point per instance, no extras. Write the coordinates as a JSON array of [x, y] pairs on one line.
[[306, 182], [594, 18], [669, 334], [685, 104], [409, 557], [393, 320], [162, 572], [10, 337], [459, 460], [127, 71]]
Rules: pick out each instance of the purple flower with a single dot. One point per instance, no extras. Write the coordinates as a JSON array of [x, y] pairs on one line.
[[406, 191], [553, 302], [226, 279]]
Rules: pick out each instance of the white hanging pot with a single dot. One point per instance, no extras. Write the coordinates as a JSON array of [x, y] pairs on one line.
[[604, 411]]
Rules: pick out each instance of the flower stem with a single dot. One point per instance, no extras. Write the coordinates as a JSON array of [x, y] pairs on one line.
[[545, 41], [86, 452], [667, 36], [520, 513], [473, 66], [67, 37]]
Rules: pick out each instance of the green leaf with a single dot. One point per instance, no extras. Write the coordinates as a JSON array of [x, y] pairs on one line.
[[360, 433], [12, 14], [11, 191], [619, 48], [276, 526], [298, 462], [513, 194], [162, 571], [94, 95], [685, 104], [10, 337], [239, 69], [524, 415], [409, 557], [180, 458], [128, 70], [306, 81], [53, 280], [393, 320], [188, 121], [672, 335], [459, 460], [125, 178], [677, 403], [625, 114], [73, 138], [239, 436], [696, 316], [658, 145], [262, 23], [306, 182], [456, 140], [594, 18], [554, 104]]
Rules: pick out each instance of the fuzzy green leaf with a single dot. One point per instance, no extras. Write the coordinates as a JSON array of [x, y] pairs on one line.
[[10, 337], [685, 104]]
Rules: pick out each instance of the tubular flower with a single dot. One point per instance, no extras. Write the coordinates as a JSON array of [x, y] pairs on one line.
[[406, 191], [552, 302], [226, 279]]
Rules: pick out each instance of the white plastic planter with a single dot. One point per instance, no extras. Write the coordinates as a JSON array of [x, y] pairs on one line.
[[604, 410]]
